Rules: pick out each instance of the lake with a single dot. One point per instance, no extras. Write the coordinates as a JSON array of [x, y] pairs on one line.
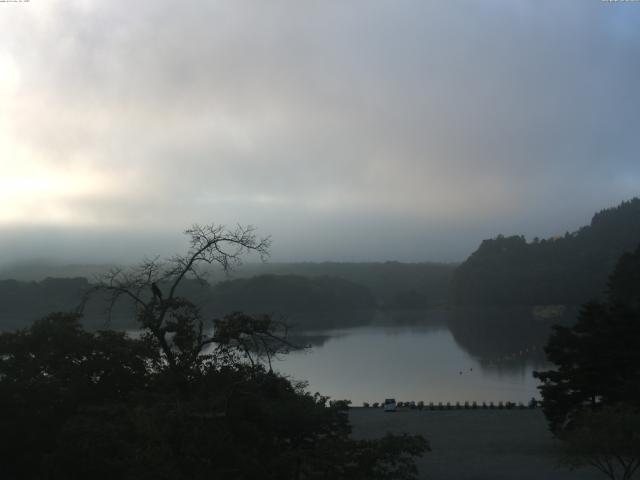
[[445, 355], [439, 359]]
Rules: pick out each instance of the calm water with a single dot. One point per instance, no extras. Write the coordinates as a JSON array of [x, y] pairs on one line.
[[417, 362], [444, 356]]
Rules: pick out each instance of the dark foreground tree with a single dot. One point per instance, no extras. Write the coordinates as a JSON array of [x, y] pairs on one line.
[[598, 359], [607, 439], [187, 399], [592, 399]]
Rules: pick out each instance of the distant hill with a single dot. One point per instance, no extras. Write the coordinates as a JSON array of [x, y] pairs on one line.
[[23, 302], [288, 294], [38, 270], [566, 270], [393, 284], [316, 301]]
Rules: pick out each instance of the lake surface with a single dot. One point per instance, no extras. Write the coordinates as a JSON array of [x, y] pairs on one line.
[[448, 355], [429, 361]]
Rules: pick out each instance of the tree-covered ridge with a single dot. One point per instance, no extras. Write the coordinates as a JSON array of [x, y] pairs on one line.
[[23, 302], [560, 270], [349, 288], [290, 294], [389, 281]]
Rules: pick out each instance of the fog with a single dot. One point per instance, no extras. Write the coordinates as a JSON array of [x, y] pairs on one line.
[[387, 130]]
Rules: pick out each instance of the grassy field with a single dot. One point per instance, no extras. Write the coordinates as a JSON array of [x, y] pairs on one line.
[[475, 444]]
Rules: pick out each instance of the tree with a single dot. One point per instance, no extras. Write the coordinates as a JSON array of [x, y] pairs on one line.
[[169, 314], [598, 358], [592, 399], [189, 399], [607, 439], [53, 371]]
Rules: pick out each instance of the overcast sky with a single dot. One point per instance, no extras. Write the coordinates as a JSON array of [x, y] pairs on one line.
[[347, 130]]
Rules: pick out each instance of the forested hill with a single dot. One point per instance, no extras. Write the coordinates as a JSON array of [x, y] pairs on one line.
[[288, 294], [563, 270], [393, 284], [281, 295], [23, 302]]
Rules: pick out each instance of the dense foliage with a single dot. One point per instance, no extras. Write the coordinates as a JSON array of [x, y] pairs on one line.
[[607, 439], [188, 399], [101, 405], [597, 359], [571, 269]]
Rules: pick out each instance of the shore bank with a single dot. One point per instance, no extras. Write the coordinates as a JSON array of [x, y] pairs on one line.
[[475, 444]]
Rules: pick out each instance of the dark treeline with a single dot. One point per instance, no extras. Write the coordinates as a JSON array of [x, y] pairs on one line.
[[390, 283], [565, 270], [23, 302], [305, 302], [307, 293], [290, 294], [393, 284]]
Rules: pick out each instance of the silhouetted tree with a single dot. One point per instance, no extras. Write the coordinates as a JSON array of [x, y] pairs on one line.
[[188, 399], [592, 399], [54, 371], [598, 359]]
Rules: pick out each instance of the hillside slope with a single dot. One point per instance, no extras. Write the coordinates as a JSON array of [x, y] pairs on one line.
[[566, 270]]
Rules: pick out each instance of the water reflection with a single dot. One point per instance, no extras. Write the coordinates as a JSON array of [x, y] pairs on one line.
[[505, 340], [446, 355], [434, 356]]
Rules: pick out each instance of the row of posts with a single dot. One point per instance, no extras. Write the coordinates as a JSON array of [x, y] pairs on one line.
[[459, 406]]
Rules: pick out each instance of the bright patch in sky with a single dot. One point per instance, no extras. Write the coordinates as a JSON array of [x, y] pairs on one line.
[[405, 130]]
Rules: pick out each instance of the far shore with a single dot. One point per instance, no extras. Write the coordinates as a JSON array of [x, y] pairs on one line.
[[475, 444]]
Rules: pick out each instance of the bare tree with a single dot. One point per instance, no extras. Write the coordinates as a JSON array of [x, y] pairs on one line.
[[175, 322]]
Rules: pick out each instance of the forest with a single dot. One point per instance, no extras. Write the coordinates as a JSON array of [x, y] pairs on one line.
[[305, 290], [567, 270]]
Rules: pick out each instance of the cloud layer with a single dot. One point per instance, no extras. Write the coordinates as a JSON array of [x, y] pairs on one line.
[[355, 130]]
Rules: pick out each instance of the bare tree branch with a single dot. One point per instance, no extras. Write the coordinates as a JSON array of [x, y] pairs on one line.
[[208, 244]]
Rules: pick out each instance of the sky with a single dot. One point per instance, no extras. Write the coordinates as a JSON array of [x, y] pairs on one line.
[[347, 130]]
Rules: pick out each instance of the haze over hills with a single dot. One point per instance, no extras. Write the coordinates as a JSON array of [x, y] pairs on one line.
[[503, 271]]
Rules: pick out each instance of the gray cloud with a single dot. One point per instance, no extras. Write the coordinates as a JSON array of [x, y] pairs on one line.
[[358, 130]]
